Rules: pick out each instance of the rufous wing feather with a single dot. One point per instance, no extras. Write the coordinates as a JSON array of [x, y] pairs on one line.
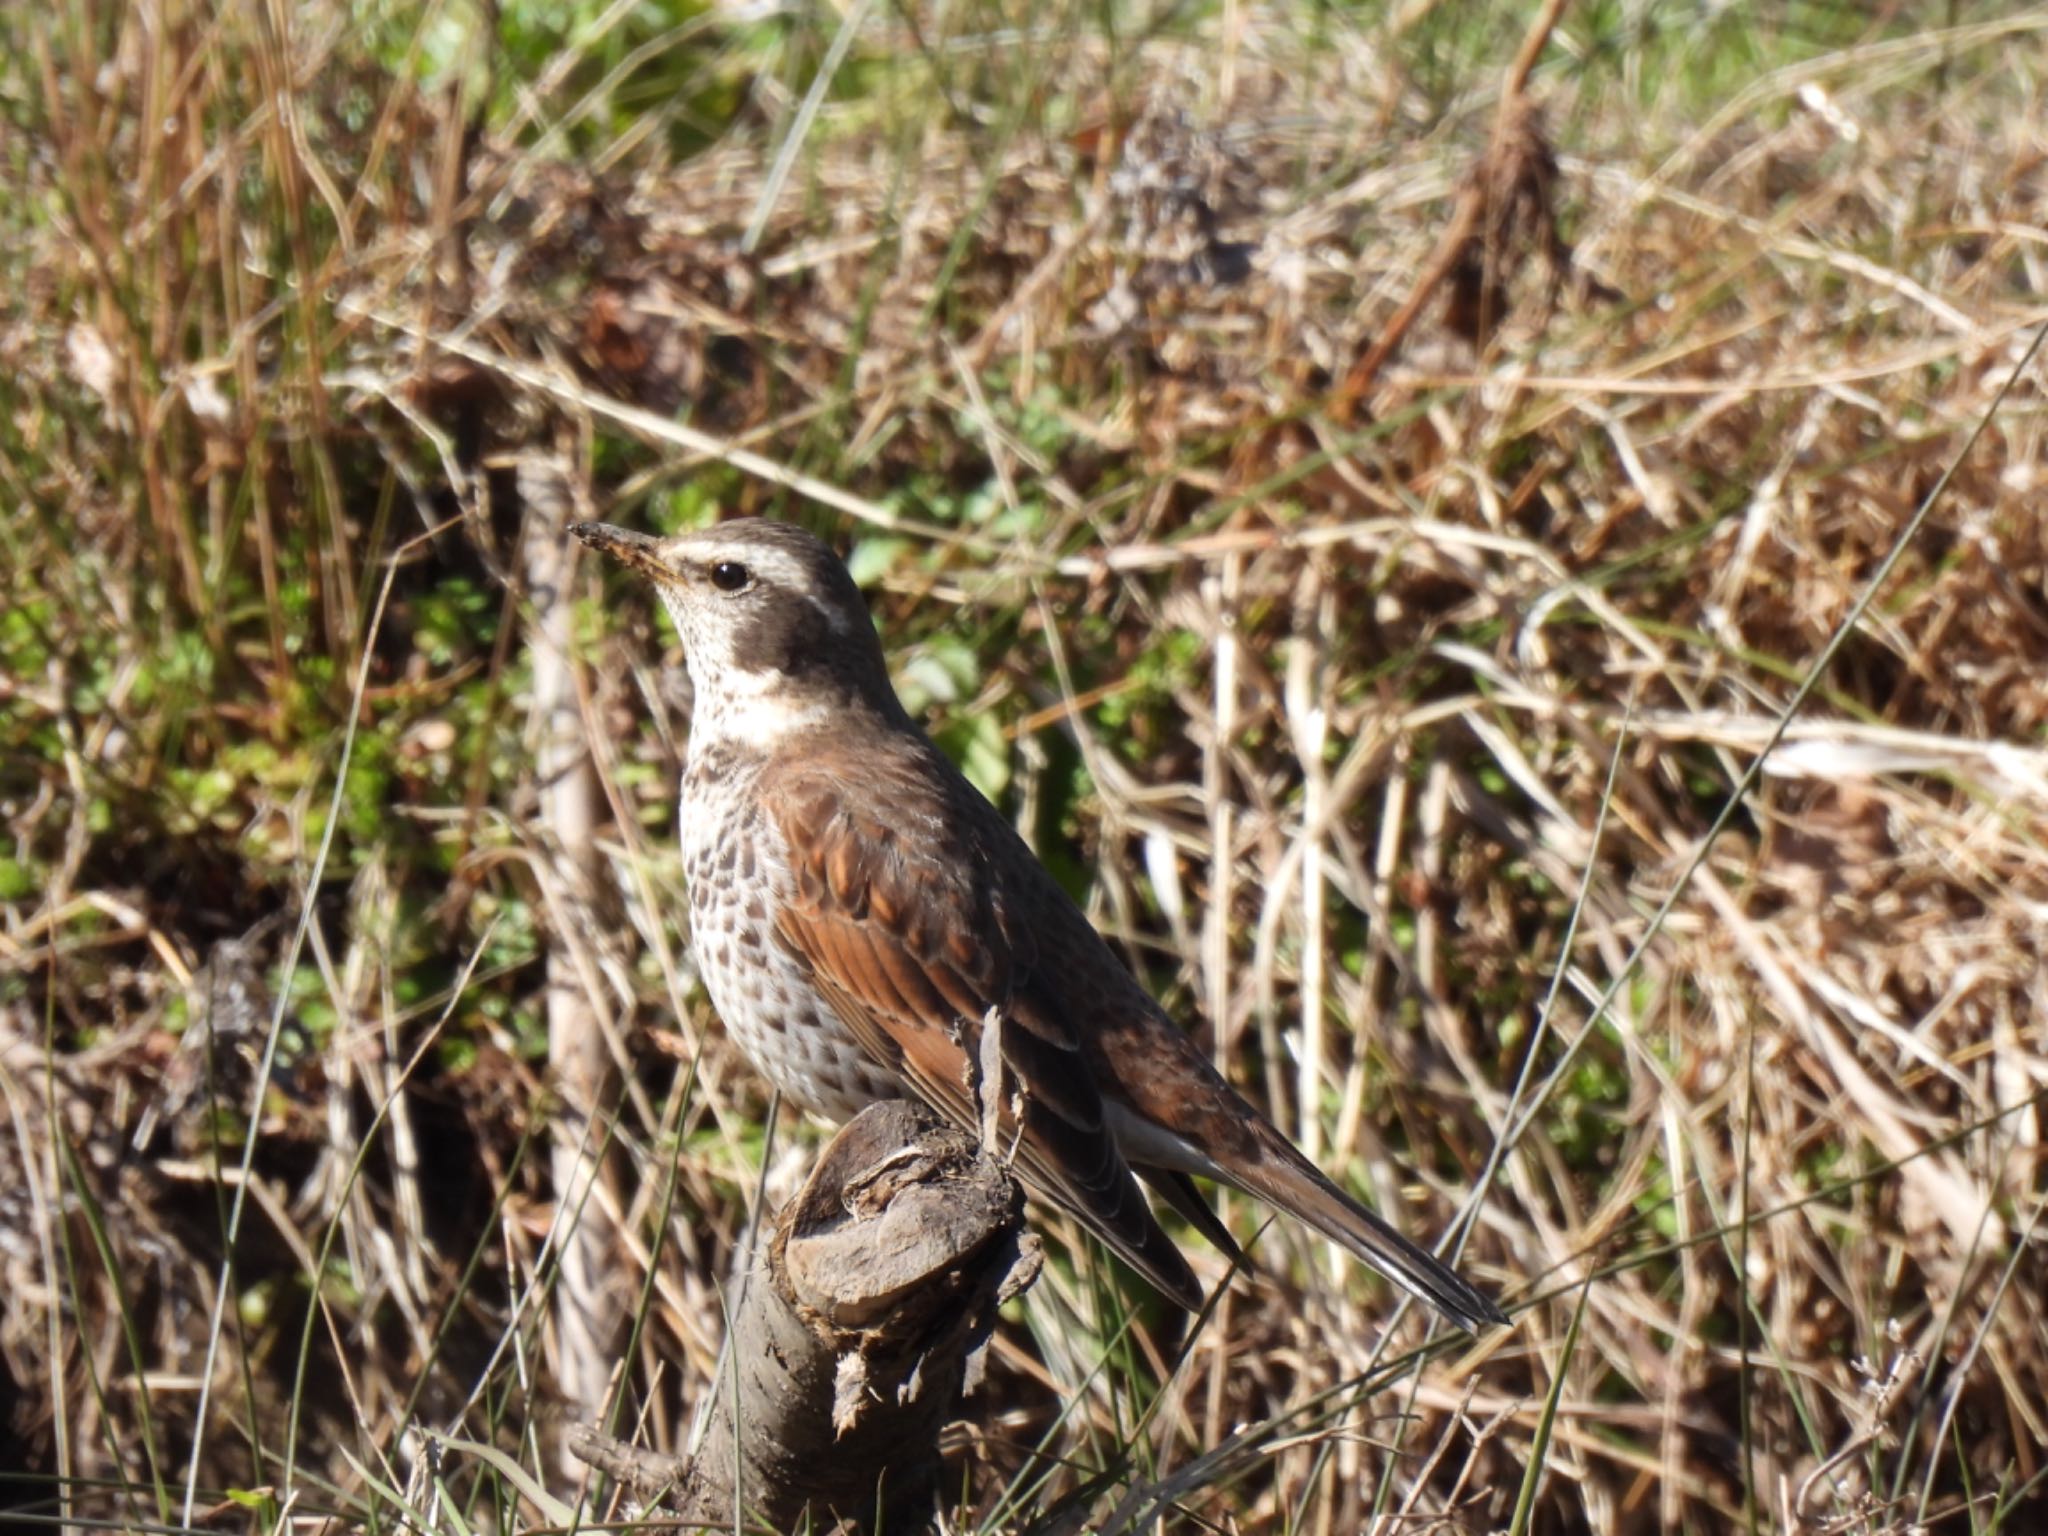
[[913, 952]]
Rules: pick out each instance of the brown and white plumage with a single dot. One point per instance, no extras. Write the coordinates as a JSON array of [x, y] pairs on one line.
[[867, 923]]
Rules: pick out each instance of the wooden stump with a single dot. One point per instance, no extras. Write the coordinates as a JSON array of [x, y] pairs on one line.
[[852, 1350]]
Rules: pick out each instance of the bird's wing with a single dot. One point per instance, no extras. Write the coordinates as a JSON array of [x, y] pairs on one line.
[[897, 907]]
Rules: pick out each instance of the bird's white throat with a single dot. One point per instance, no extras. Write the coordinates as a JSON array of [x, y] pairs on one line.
[[754, 710]]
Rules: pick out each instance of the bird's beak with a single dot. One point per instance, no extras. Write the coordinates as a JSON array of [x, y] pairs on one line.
[[622, 544]]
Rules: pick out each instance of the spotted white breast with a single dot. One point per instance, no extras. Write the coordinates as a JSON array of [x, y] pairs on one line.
[[738, 873]]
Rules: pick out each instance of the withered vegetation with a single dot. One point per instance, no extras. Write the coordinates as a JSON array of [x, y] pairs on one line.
[[1369, 625]]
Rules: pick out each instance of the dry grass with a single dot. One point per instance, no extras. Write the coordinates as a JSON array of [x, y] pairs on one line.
[[1377, 698]]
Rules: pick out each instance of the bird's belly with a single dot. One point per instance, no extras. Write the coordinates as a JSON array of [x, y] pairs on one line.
[[787, 1031], [762, 992]]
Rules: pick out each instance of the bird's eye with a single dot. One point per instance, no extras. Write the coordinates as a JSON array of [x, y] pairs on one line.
[[729, 576]]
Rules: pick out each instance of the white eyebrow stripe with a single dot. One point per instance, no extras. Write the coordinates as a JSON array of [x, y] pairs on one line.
[[774, 565], [778, 567]]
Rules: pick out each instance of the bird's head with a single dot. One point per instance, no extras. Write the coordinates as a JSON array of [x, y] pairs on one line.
[[775, 633]]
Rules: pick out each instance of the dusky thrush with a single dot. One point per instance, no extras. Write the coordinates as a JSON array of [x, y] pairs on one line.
[[868, 925]]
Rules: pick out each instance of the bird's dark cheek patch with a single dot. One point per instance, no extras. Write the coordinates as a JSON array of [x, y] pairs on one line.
[[787, 637]]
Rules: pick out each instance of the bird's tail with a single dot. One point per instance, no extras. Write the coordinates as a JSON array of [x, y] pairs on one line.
[[1283, 1177]]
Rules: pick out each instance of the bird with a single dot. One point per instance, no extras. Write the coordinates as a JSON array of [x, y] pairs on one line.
[[869, 926]]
